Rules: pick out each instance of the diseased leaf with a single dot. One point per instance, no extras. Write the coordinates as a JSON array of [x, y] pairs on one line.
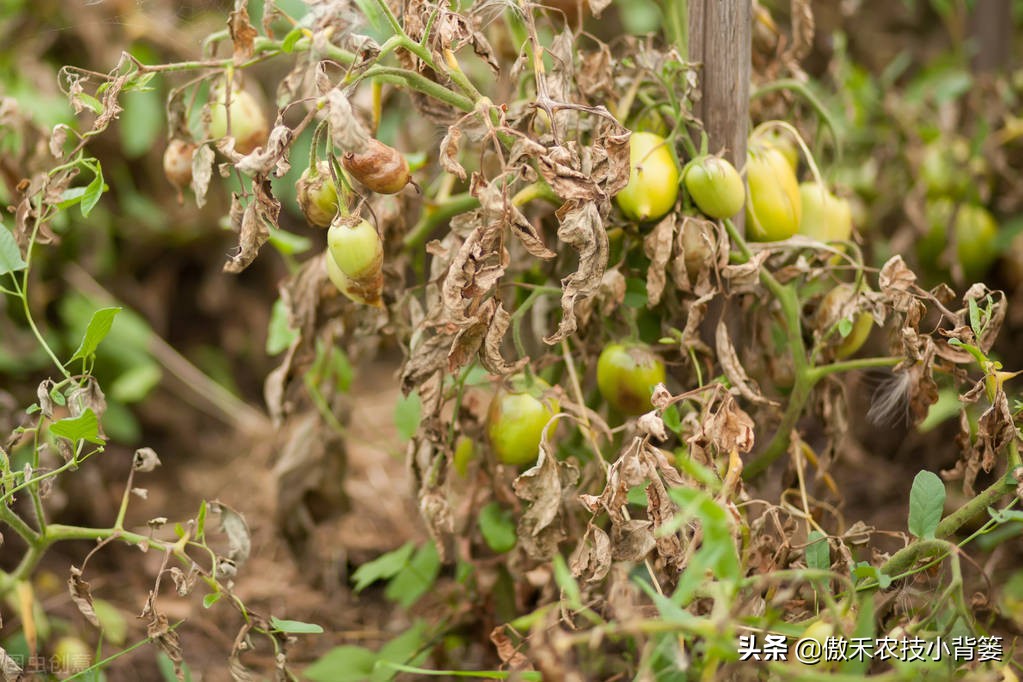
[[81, 596], [926, 503], [581, 228]]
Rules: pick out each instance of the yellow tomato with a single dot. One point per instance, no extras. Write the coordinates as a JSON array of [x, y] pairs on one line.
[[774, 208], [653, 180]]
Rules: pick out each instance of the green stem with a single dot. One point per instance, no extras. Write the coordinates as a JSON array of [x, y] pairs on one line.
[[800, 89], [902, 560], [819, 373], [17, 524]]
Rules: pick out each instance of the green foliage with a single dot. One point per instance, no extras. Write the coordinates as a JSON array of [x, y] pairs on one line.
[[926, 503]]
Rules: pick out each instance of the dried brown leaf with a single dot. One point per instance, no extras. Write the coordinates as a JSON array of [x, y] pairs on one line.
[[591, 559], [81, 596], [733, 369], [449, 153], [581, 228], [546, 487], [243, 34], [657, 247]]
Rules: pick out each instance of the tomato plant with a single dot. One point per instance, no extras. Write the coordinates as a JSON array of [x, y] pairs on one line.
[[379, 167], [627, 374], [653, 178], [774, 207], [824, 216], [248, 124], [715, 186], [317, 195], [516, 420], [974, 230]]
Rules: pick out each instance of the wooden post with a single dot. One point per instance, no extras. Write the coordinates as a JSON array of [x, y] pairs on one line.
[[991, 31], [720, 37]]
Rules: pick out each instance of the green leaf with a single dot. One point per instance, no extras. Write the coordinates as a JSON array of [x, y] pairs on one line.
[[417, 578], [498, 527], [289, 243], [406, 648], [10, 254], [111, 621], [567, 583], [211, 599], [296, 627], [374, 14], [672, 419], [99, 327], [92, 192], [383, 567], [863, 570], [926, 502], [141, 122], [279, 333], [342, 664], [818, 553], [407, 415], [135, 383], [845, 328], [83, 427]]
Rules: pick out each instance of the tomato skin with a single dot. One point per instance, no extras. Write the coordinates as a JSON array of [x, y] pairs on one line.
[[825, 217], [774, 208], [626, 376], [71, 655], [177, 162], [249, 126], [653, 179], [975, 233], [516, 420], [784, 144], [365, 290], [715, 186], [379, 167], [830, 313], [356, 249], [317, 195]]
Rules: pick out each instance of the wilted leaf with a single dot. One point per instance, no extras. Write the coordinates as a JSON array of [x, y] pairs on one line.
[[80, 595], [546, 486], [145, 460], [581, 228]]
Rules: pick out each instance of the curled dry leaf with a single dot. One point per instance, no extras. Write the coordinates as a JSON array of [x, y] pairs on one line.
[[233, 525], [81, 596], [252, 223], [657, 247], [546, 487], [581, 228], [733, 369], [145, 460], [591, 558]]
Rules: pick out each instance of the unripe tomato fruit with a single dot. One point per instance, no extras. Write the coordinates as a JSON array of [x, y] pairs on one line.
[[516, 419], [177, 162], [830, 313], [975, 235], [249, 126], [71, 655], [774, 209], [379, 167], [365, 290], [715, 186], [356, 249], [943, 166], [653, 179], [825, 217], [317, 195], [784, 144], [627, 375]]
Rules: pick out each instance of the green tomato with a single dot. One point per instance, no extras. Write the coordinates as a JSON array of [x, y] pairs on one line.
[[627, 375], [653, 180], [249, 126], [516, 420], [782, 141], [71, 655], [830, 313], [975, 234], [942, 168], [715, 186], [825, 217], [317, 195], [356, 249], [774, 208]]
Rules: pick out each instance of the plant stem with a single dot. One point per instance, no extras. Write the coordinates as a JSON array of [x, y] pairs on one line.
[[850, 365]]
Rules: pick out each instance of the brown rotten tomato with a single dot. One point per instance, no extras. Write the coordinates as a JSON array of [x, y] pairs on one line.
[[381, 168], [627, 375], [516, 420], [177, 163]]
